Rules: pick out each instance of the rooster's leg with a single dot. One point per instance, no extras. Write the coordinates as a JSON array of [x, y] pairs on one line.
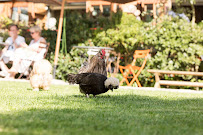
[[87, 95]]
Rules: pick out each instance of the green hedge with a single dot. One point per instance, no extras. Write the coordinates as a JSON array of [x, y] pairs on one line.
[[69, 63], [175, 44]]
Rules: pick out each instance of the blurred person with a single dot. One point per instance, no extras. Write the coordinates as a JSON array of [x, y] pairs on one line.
[[12, 43], [27, 53]]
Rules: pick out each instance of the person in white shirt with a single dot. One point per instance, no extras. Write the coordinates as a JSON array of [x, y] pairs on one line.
[[27, 53], [12, 43]]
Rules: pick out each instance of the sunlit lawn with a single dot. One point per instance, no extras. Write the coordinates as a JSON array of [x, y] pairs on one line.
[[64, 110]]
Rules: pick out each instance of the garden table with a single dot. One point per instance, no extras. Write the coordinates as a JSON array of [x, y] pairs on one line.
[[93, 50]]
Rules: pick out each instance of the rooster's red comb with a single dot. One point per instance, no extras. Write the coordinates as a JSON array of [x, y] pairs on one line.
[[103, 52]]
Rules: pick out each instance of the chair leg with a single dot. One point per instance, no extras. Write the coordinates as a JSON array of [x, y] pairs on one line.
[[135, 77], [137, 81], [132, 81], [124, 80], [27, 66], [121, 82], [20, 75], [28, 76]]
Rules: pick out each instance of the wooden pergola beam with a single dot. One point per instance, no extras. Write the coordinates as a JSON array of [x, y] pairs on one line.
[[49, 2], [113, 1]]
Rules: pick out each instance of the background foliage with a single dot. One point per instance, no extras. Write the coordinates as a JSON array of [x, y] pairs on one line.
[[175, 44], [69, 63]]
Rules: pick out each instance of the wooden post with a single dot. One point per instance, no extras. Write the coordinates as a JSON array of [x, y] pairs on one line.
[[7, 10], [89, 7], [113, 7], [157, 85], [196, 70], [13, 1], [33, 11], [117, 63], [154, 13], [58, 40], [19, 12], [101, 8]]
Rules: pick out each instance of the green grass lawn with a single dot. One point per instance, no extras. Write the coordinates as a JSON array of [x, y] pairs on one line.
[[64, 110]]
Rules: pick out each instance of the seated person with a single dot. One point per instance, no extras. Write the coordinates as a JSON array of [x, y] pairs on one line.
[[12, 43], [28, 53]]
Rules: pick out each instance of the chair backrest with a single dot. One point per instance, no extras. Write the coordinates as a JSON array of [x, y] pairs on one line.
[[47, 48], [140, 54]]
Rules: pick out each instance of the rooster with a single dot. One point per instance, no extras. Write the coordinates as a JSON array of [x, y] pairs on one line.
[[95, 65], [93, 83]]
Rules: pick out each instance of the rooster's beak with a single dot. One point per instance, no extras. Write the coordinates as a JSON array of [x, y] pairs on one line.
[[110, 87]]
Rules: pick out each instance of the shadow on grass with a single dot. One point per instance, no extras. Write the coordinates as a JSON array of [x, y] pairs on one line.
[[29, 89], [106, 114]]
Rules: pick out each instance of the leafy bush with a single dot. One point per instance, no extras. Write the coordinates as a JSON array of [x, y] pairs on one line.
[[80, 28], [124, 37], [69, 63], [50, 37], [4, 22], [77, 29], [175, 44]]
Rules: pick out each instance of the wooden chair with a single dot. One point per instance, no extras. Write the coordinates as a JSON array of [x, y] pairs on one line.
[[46, 47], [126, 71]]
